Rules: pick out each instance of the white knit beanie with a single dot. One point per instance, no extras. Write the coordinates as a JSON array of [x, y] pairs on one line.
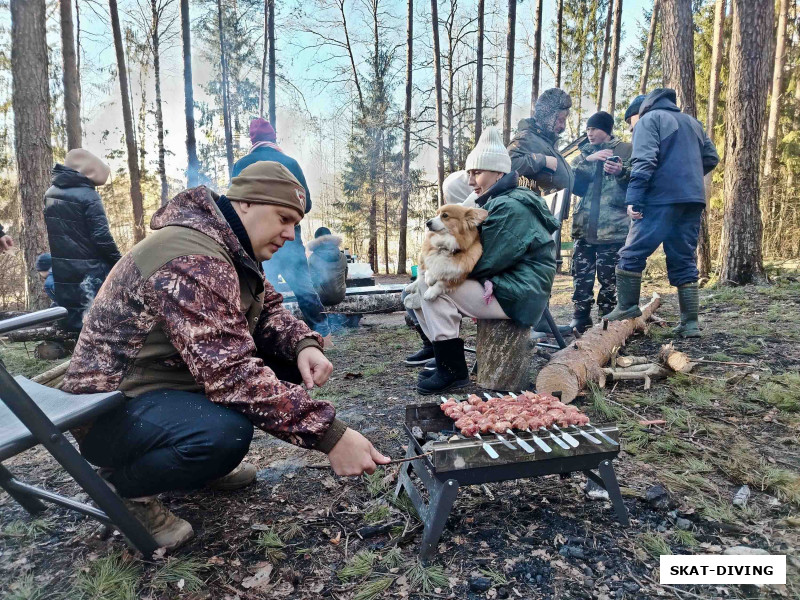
[[489, 154], [455, 187]]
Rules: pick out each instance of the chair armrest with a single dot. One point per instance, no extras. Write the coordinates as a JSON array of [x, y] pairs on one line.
[[31, 319]]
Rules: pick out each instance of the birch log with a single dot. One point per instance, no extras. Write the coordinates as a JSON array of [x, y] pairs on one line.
[[570, 369]]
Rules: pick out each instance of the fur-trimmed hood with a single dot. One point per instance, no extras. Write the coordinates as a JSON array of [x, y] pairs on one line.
[[330, 239]]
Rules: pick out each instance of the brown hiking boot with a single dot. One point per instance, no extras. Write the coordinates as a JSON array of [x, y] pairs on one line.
[[167, 530], [240, 477]]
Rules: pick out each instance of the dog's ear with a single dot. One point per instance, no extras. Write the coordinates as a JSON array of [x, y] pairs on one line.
[[476, 216]]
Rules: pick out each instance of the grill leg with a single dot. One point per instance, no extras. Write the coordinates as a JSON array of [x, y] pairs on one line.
[[34, 506], [439, 506], [435, 511], [610, 483]]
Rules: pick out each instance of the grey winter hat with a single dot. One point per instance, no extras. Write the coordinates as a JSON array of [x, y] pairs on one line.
[[636, 104], [549, 104]]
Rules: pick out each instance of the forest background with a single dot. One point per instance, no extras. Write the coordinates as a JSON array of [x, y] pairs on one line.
[[335, 82]]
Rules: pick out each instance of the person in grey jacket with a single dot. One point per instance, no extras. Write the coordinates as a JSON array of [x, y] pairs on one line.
[[665, 198]]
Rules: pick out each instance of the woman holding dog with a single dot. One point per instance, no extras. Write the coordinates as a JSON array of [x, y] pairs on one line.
[[514, 275]]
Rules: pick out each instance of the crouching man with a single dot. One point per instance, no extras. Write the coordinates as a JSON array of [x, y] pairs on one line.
[[188, 329]]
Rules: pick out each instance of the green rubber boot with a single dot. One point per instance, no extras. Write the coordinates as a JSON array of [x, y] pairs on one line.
[[689, 300], [629, 287]]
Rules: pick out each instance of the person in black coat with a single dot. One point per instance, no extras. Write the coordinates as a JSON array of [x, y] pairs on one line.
[[81, 244]]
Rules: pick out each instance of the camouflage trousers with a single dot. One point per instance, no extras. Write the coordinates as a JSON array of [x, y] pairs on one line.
[[588, 260]]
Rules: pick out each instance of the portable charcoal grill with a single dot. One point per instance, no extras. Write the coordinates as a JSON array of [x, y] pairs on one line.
[[467, 461]]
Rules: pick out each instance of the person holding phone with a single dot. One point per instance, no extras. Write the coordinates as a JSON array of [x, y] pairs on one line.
[[599, 221]]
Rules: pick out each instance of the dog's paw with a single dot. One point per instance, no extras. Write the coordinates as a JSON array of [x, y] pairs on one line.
[[432, 293], [413, 301], [412, 287]]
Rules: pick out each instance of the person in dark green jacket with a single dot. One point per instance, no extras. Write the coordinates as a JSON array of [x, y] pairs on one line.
[[514, 276], [600, 220]]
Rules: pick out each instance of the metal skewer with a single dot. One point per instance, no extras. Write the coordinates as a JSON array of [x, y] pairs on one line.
[[607, 438], [522, 443], [567, 437], [588, 435]]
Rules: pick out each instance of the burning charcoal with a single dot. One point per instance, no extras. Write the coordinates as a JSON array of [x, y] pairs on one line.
[[658, 497], [480, 584]]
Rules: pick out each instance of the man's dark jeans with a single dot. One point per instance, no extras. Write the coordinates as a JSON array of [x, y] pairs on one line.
[[291, 263], [677, 226], [169, 440]]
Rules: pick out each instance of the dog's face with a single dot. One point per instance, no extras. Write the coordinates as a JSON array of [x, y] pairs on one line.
[[455, 227]]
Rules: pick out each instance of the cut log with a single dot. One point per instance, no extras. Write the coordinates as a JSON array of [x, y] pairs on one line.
[[41, 334], [674, 359], [504, 354], [629, 361], [572, 368], [359, 305], [636, 373]]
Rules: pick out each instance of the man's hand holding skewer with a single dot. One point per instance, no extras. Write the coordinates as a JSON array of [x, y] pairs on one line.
[[354, 454]]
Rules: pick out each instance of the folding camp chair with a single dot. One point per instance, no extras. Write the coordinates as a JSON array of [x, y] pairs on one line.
[[32, 414]]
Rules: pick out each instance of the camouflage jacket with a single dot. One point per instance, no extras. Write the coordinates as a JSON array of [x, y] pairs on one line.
[[600, 215], [188, 309]]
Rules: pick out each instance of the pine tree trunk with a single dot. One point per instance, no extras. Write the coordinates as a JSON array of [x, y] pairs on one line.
[[31, 101], [72, 102], [162, 167], [261, 89], [509, 93], [405, 189], [716, 67], [771, 165], [704, 242], [748, 82], [479, 74], [537, 56], [193, 166], [677, 49], [226, 115], [559, 41], [437, 68], [271, 33], [601, 82], [127, 117], [648, 51], [614, 68]]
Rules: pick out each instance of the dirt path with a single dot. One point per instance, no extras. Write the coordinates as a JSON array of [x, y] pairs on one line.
[[326, 537]]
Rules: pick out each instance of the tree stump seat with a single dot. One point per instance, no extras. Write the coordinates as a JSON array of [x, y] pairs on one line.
[[504, 353]]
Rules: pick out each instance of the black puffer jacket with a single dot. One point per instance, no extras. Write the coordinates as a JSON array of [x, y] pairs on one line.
[[328, 266], [80, 242]]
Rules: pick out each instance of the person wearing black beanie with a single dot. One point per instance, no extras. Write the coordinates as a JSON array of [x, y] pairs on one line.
[[599, 222], [601, 120]]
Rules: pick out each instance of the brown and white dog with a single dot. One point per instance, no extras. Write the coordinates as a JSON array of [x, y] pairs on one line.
[[450, 251]]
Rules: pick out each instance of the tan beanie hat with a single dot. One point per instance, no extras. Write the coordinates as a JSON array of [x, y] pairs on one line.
[[268, 182], [88, 165], [489, 154]]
